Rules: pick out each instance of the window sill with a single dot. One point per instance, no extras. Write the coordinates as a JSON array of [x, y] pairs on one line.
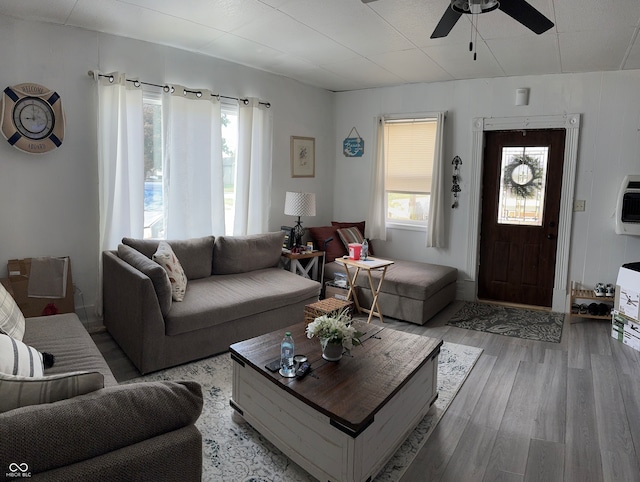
[[406, 227]]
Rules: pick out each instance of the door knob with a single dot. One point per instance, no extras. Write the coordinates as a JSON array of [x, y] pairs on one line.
[[550, 236]]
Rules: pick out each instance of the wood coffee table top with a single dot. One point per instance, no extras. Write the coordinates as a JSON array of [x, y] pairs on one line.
[[350, 392]]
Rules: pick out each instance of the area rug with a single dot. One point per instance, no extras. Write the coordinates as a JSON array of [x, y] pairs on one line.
[[235, 452], [515, 322]]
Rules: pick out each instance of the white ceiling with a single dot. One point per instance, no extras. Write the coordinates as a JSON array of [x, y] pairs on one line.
[[345, 44]]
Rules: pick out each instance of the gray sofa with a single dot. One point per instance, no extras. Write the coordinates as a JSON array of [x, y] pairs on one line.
[[119, 432], [235, 291]]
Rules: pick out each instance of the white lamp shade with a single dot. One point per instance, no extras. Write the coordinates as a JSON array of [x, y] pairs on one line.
[[300, 204]]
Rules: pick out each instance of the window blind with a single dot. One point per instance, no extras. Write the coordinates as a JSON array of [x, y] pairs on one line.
[[409, 151]]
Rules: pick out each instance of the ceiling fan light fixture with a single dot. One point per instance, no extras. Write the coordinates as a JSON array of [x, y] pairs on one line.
[[474, 6]]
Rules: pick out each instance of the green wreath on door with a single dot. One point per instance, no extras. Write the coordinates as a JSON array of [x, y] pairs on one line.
[[523, 176]]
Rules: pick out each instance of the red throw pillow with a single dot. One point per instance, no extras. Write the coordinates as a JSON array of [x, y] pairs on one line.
[[335, 248], [360, 227]]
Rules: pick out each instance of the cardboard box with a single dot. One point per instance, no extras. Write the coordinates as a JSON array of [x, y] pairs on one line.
[[631, 340], [617, 328], [627, 299], [19, 271], [626, 330], [333, 291]]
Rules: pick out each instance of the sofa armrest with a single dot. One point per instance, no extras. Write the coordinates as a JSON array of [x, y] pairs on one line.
[[131, 310], [54, 435]]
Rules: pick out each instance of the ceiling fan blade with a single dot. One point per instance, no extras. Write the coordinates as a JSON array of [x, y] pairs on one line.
[[446, 23], [368, 1], [528, 16]]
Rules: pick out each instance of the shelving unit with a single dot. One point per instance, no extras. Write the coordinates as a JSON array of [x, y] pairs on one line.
[[577, 293]]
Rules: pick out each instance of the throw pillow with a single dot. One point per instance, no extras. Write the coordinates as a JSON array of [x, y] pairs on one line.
[[17, 358], [334, 248], [359, 225], [17, 391], [166, 258], [11, 318], [195, 254], [350, 235], [156, 273]]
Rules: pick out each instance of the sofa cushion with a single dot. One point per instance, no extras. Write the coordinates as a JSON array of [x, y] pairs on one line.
[[17, 358], [97, 423], [195, 254], [350, 235], [11, 318], [65, 336], [238, 296], [156, 273], [335, 248], [240, 254], [166, 258], [360, 225], [21, 391]]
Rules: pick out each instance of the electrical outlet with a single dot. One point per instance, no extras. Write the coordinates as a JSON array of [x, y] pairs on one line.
[[579, 205]]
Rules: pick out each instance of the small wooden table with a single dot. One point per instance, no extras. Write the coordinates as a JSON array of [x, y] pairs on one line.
[[345, 419], [367, 265], [311, 269]]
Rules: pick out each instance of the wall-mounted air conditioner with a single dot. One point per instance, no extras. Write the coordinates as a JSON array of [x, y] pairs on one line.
[[628, 206]]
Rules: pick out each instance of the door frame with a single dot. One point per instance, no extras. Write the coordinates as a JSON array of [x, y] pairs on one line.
[[571, 124]]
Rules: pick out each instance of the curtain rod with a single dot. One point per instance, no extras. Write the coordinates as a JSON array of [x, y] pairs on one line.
[[169, 88]]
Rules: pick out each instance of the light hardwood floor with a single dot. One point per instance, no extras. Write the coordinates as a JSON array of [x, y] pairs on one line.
[[529, 411]]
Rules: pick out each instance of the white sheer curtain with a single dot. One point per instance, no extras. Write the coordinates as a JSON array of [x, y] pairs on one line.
[[120, 164], [194, 187], [253, 169], [435, 228], [375, 226]]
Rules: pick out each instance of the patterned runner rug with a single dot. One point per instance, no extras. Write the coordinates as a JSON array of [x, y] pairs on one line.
[[236, 452], [515, 322]]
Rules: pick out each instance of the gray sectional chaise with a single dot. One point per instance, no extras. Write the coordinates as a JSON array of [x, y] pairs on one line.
[[411, 291], [235, 291]]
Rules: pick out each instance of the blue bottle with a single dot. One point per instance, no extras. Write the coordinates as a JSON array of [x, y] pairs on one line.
[[287, 368]]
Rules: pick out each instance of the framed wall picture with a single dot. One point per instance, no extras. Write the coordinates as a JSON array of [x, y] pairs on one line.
[[303, 156]]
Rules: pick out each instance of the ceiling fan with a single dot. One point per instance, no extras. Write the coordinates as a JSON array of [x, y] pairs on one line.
[[519, 10]]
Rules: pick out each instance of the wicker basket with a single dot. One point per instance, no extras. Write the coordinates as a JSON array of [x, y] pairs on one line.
[[325, 307]]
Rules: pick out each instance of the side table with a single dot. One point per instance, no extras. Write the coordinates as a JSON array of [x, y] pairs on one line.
[[366, 265], [310, 269]]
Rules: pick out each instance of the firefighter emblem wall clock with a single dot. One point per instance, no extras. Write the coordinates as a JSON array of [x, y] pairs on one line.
[[32, 118]]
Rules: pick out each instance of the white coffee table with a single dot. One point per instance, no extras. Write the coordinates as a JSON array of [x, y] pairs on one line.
[[346, 419]]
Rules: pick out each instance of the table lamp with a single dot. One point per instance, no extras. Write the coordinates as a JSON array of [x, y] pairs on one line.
[[299, 204]]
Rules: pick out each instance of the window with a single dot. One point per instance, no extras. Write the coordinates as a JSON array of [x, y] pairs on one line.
[[153, 183], [229, 150], [154, 189], [522, 185], [409, 153]]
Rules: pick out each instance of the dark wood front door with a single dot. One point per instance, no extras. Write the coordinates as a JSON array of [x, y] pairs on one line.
[[522, 184]]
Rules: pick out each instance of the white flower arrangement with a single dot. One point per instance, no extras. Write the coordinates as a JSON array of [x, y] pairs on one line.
[[334, 329]]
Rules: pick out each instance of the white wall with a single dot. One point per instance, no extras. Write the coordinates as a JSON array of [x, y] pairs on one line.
[[609, 148], [48, 203]]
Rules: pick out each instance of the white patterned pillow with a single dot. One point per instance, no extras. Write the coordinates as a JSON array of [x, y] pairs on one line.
[[11, 318], [16, 358], [166, 258], [17, 391]]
